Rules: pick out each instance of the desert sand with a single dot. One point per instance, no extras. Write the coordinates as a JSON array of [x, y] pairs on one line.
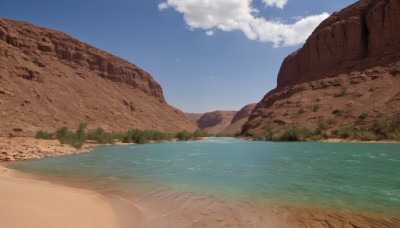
[[26, 202]]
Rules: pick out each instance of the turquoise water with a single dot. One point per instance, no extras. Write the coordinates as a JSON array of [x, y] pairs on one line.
[[360, 177]]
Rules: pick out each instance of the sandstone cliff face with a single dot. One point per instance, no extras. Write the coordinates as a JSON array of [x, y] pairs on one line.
[[215, 122], [239, 119], [356, 50], [363, 35], [49, 79], [36, 42]]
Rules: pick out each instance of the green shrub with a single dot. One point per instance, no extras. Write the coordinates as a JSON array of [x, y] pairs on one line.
[[145, 136], [200, 134], [341, 92], [384, 124], [127, 137], [346, 132], [288, 134], [184, 135], [317, 137], [331, 121], [322, 126], [276, 138], [297, 133], [269, 134], [79, 137], [292, 134], [103, 137], [43, 135], [315, 108], [351, 132], [76, 139], [395, 135], [360, 119], [62, 133], [139, 136], [80, 132], [365, 136]]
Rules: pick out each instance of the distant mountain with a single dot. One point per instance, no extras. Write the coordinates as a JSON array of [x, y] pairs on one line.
[[347, 73], [49, 79], [239, 119], [215, 122], [226, 122], [193, 117]]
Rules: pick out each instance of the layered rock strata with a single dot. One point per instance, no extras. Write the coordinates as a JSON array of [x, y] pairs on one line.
[[49, 79]]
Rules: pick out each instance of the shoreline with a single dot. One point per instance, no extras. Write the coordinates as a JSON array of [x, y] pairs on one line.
[[30, 148], [26, 201]]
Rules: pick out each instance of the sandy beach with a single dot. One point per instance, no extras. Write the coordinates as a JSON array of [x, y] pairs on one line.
[[26, 202]]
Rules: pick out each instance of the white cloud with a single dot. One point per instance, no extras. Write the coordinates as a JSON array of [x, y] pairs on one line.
[[231, 15], [286, 34], [162, 6], [278, 3]]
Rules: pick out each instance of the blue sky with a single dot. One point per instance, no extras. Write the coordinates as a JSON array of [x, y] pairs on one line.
[[206, 54]]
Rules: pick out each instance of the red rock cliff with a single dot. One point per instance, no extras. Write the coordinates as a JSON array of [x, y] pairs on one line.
[[36, 41], [348, 68], [49, 80], [362, 35], [243, 113], [239, 119]]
